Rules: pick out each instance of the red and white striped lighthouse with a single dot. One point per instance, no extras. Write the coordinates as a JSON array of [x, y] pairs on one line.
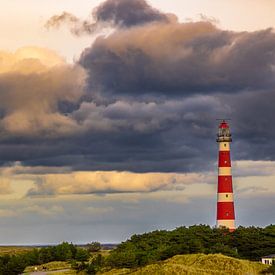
[[225, 200]]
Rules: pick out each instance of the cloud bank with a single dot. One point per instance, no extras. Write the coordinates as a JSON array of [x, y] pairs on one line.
[[32, 83], [122, 141], [143, 98]]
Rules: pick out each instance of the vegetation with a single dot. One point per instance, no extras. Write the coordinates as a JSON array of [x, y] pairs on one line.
[[13, 250], [91, 267], [155, 253], [94, 247], [246, 243], [16, 264], [196, 264], [69, 272], [51, 266], [271, 269]]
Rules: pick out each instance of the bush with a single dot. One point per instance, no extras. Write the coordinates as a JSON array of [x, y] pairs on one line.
[[81, 255], [94, 247]]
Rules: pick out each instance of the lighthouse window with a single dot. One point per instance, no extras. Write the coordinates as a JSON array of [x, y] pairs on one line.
[[226, 195], [224, 145]]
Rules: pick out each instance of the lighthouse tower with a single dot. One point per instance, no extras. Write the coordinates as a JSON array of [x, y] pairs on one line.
[[225, 200]]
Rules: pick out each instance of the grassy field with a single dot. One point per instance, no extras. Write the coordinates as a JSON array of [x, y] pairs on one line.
[[52, 266], [12, 250], [70, 272], [196, 264], [192, 264]]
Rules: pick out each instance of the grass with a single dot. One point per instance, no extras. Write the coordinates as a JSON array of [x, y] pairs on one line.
[[52, 266], [103, 252], [57, 265], [13, 250], [196, 264], [69, 272], [191, 264]]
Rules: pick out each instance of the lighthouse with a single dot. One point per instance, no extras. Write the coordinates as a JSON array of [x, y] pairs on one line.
[[225, 200]]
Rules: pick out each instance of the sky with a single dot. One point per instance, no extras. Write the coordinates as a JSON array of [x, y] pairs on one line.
[[108, 115]]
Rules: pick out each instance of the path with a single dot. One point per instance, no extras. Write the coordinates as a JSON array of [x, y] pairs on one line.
[[46, 272]]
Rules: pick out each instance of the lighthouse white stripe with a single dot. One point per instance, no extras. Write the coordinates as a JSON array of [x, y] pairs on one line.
[[225, 197], [227, 223], [224, 171], [224, 146]]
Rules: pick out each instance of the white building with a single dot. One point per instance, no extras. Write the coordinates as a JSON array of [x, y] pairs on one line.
[[268, 259]]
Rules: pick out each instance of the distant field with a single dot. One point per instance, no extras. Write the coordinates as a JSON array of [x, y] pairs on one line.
[[196, 264], [14, 249], [106, 248]]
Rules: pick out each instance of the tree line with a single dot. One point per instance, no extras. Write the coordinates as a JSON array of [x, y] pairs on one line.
[[15, 264], [246, 243]]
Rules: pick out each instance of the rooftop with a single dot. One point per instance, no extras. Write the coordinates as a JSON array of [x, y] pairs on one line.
[[269, 256]]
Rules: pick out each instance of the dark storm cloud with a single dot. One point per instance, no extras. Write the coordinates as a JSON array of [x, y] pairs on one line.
[[165, 61], [139, 137], [180, 60], [253, 119], [128, 13], [151, 98], [118, 13]]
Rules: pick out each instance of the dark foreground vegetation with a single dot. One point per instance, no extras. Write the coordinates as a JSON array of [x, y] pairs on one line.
[[15, 264], [249, 243], [246, 243]]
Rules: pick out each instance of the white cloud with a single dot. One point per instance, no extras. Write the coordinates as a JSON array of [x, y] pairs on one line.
[[250, 168]]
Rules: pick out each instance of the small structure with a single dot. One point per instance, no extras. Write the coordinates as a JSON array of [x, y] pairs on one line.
[[270, 259]]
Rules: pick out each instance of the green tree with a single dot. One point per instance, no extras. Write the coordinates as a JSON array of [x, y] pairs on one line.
[[94, 246], [81, 255], [33, 257], [16, 265], [63, 252], [46, 255]]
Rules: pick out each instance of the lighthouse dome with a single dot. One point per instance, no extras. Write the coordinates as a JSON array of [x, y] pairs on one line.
[[223, 125]]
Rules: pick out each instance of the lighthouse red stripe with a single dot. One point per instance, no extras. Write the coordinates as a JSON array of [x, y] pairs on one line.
[[225, 184], [225, 211], [224, 159]]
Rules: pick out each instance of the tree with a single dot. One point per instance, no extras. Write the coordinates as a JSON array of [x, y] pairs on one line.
[[46, 255], [32, 258], [81, 255], [94, 246], [95, 265], [16, 265], [63, 252]]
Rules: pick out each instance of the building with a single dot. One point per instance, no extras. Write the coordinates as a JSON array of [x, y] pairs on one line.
[[270, 259], [225, 199]]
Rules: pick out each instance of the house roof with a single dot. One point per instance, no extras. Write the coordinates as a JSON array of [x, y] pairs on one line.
[[269, 256]]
